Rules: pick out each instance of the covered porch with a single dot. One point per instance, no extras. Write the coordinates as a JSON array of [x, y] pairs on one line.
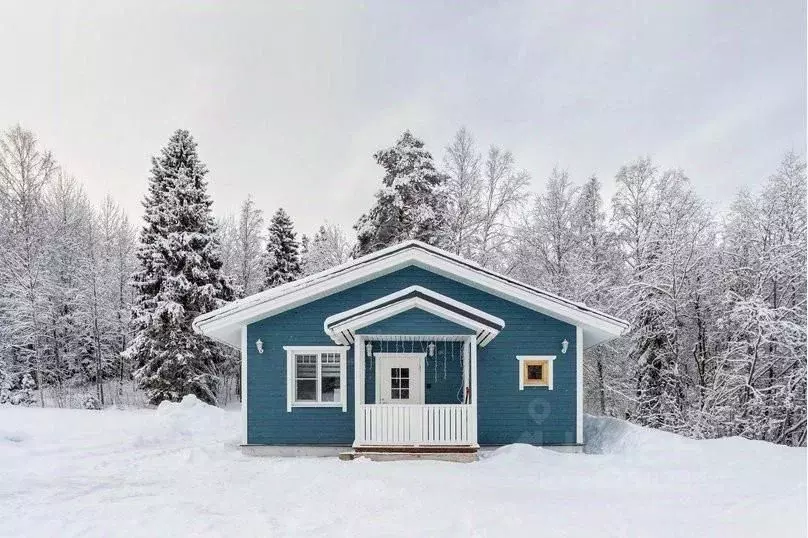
[[415, 370], [402, 397]]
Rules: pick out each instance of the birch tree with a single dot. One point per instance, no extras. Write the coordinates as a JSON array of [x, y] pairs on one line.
[[26, 170], [329, 248]]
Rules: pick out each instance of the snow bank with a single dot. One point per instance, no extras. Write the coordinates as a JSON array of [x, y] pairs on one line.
[[607, 435], [188, 423], [176, 470], [192, 418]]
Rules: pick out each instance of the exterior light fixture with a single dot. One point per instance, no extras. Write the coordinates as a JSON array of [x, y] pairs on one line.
[[369, 349], [564, 345], [259, 345], [431, 348]]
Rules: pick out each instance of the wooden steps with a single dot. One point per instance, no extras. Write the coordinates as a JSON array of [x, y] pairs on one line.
[[461, 454]]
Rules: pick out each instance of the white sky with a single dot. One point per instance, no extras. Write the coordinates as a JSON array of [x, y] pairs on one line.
[[288, 102]]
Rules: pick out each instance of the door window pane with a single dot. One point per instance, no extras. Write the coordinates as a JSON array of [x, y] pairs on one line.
[[399, 383]]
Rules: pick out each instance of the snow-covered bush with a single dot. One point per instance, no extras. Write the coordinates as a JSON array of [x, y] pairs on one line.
[[17, 389], [90, 402]]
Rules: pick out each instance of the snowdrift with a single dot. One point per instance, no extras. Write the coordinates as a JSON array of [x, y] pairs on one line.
[[607, 435], [177, 470]]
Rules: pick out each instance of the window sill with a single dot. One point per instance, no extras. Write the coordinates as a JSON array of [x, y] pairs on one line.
[[317, 404], [548, 387]]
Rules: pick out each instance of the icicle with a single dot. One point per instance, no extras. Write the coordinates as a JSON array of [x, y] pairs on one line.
[[444, 361]]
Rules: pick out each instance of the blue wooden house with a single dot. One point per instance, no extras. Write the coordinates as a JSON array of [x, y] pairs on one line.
[[410, 348]]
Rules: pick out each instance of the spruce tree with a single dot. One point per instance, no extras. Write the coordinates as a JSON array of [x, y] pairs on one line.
[[179, 278], [282, 258], [412, 202]]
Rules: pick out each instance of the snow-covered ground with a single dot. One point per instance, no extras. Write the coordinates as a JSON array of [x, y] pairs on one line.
[[177, 471]]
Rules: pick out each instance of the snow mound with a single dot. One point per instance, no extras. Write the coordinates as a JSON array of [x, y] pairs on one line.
[[607, 435], [193, 419], [519, 453]]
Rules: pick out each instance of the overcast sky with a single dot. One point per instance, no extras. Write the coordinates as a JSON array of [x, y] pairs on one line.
[[288, 102]]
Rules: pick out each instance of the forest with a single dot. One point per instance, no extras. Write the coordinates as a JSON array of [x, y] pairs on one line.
[[96, 305]]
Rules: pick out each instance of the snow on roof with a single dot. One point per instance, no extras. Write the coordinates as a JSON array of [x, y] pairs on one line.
[[224, 324]]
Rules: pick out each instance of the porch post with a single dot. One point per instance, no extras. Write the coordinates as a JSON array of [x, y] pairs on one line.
[[466, 348], [473, 349], [359, 389]]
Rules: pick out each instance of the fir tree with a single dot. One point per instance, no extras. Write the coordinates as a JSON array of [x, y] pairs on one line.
[[412, 202], [180, 278], [282, 258]]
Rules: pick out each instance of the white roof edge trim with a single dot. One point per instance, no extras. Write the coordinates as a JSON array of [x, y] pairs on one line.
[[301, 282], [406, 291], [292, 294], [374, 316]]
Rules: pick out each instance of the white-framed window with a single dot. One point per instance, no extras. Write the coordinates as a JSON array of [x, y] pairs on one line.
[[535, 371], [316, 376]]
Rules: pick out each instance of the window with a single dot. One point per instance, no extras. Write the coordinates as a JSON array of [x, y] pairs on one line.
[[535, 371], [400, 384], [305, 378], [316, 377]]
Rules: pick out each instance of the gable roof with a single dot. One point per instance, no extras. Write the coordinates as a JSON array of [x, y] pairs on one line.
[[342, 327], [224, 324]]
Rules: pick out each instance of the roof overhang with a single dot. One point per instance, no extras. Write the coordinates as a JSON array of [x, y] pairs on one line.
[[342, 327], [224, 324]]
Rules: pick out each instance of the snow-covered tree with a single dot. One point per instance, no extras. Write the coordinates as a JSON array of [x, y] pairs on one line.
[[756, 380], [25, 172], [504, 190], [282, 256], [69, 342], [464, 187], [179, 278], [249, 247], [411, 203], [595, 273], [242, 247], [116, 252], [329, 248], [482, 198], [666, 232], [548, 239], [227, 237]]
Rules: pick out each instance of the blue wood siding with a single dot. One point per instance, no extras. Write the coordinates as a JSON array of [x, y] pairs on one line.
[[505, 414], [415, 321]]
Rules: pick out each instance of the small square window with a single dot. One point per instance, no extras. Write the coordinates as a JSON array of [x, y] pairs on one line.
[[536, 371]]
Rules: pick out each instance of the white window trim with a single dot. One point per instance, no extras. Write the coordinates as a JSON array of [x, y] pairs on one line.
[[523, 358], [291, 351]]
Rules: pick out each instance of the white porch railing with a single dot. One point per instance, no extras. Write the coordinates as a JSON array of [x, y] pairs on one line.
[[412, 424]]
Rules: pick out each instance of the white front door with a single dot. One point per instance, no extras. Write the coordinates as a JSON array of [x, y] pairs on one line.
[[399, 378]]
